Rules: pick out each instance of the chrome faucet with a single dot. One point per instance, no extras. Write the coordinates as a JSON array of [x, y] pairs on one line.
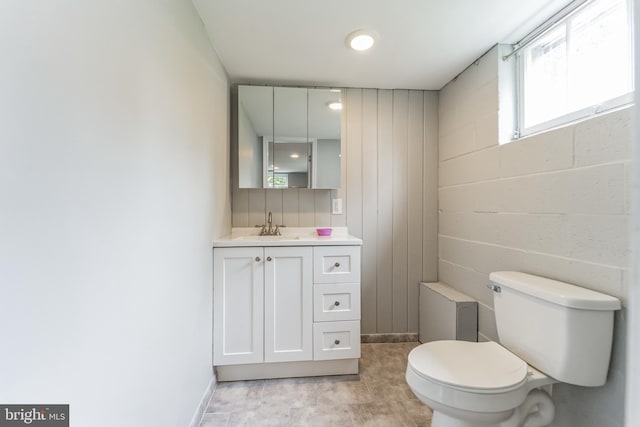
[[267, 229], [269, 221]]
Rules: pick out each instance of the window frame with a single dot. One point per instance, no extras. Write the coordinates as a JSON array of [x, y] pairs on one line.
[[590, 111]]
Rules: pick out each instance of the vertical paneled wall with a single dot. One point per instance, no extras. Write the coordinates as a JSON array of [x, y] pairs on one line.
[[389, 192]]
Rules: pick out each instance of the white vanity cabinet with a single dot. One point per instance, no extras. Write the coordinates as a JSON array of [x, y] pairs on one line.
[[336, 299], [238, 305], [286, 310], [288, 304], [262, 305]]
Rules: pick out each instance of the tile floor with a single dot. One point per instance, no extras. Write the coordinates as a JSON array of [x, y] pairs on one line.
[[379, 396]]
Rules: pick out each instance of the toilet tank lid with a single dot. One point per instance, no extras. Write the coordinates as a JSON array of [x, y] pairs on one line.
[[554, 291]]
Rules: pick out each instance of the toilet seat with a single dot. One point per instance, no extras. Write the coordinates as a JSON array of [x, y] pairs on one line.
[[482, 377], [485, 367]]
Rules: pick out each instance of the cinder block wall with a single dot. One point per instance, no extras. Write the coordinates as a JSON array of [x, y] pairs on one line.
[[554, 204]]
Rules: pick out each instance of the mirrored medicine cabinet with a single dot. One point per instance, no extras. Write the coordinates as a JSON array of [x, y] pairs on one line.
[[288, 137]]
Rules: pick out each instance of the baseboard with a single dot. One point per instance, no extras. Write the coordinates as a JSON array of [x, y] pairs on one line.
[[388, 338], [310, 368], [204, 402]]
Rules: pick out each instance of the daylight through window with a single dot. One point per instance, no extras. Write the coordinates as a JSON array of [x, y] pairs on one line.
[[580, 67]]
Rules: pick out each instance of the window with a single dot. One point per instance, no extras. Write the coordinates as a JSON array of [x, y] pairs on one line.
[[580, 67], [278, 180]]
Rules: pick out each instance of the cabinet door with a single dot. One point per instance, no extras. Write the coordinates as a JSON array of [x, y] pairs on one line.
[[238, 281], [288, 306]]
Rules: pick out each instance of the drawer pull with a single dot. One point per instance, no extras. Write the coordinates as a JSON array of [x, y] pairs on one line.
[[257, 259], [337, 303], [337, 264], [336, 342], [268, 258]]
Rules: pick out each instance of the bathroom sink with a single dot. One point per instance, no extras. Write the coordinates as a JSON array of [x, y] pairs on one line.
[[266, 238], [291, 236]]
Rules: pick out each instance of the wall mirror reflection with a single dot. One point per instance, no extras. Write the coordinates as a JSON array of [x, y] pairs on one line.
[[288, 137]]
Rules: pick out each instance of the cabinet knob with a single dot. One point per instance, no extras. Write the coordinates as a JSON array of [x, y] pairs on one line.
[[268, 258], [337, 264], [337, 303], [336, 342], [257, 259]]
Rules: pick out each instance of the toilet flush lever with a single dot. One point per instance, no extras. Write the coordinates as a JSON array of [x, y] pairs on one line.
[[494, 288]]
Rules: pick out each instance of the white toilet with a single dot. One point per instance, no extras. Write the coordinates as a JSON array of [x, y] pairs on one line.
[[549, 332]]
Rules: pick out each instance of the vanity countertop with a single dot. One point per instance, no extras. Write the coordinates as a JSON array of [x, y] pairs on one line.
[[291, 236]]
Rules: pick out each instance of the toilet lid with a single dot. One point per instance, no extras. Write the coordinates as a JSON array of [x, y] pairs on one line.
[[469, 365]]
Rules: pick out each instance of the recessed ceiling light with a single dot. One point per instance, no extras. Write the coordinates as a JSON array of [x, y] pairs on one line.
[[335, 105], [360, 40], [294, 156]]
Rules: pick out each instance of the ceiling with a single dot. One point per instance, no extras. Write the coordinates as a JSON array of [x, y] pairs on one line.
[[422, 44]]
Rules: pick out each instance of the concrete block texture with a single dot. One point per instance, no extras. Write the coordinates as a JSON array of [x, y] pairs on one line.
[[482, 101], [555, 204], [479, 227], [458, 141], [628, 181], [484, 258], [548, 151], [486, 130], [604, 139], [583, 237], [468, 281], [477, 166], [594, 190]]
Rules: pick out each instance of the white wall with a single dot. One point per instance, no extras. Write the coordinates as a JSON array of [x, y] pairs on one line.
[[555, 204], [113, 183], [389, 184]]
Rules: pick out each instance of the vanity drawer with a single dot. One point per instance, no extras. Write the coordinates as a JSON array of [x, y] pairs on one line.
[[336, 340], [336, 264], [333, 302]]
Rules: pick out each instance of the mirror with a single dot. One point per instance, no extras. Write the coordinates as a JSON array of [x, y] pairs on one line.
[[288, 137], [288, 165], [255, 122], [324, 132]]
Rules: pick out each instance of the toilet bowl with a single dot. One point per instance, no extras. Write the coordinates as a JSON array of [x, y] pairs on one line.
[[477, 384], [549, 332]]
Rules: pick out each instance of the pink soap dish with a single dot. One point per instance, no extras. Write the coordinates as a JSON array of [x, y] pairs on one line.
[[323, 231]]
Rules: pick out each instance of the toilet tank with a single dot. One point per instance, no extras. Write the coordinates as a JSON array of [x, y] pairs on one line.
[[563, 330]]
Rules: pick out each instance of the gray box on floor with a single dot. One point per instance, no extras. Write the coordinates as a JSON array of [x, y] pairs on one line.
[[446, 314]]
